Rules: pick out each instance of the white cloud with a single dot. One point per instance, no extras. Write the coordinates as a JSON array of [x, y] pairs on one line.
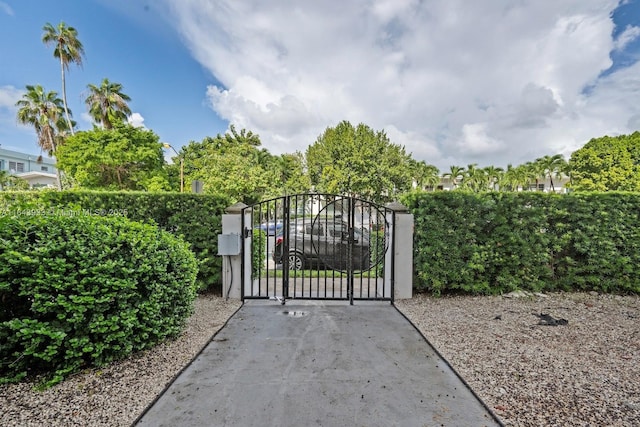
[[456, 82], [9, 95], [627, 36], [136, 120], [6, 8]]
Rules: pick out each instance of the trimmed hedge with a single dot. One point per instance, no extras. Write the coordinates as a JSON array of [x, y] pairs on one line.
[[81, 291], [492, 243], [197, 218]]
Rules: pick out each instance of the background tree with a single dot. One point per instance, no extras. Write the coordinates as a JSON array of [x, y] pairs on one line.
[[360, 161], [474, 179], [607, 163], [68, 49], [44, 111], [514, 178], [107, 104], [552, 166], [493, 176], [455, 174], [290, 176], [424, 175], [121, 158], [231, 165]]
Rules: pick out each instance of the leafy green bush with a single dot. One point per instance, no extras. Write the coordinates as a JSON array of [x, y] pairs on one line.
[[497, 242], [197, 218], [79, 290], [258, 252]]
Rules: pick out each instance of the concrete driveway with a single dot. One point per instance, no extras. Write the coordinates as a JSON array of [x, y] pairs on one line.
[[318, 363]]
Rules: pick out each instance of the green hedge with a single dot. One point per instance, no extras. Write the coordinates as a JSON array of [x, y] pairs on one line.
[[83, 290], [195, 217], [498, 242]]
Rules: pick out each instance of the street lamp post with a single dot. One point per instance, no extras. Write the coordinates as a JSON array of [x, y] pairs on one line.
[[167, 145]]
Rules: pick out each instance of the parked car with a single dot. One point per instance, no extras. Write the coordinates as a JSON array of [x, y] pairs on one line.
[[323, 243], [272, 228]]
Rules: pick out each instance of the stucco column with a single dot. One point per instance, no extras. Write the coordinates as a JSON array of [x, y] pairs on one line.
[[402, 251], [232, 264]]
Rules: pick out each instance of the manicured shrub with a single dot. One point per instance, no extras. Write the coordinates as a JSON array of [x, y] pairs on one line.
[[490, 243], [80, 290], [197, 218]]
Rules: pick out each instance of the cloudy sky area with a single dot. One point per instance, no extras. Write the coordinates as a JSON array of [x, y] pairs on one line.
[[456, 82]]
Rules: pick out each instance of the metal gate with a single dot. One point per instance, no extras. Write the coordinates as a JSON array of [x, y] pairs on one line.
[[318, 246]]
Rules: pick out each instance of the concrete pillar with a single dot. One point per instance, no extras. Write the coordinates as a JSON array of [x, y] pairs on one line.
[[403, 251], [232, 264]]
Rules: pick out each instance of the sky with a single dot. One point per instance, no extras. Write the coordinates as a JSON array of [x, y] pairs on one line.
[[455, 82]]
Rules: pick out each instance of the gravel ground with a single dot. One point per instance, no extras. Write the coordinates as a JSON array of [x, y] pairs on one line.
[[116, 394], [582, 373]]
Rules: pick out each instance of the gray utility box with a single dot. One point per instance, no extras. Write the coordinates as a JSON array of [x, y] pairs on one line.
[[229, 244]]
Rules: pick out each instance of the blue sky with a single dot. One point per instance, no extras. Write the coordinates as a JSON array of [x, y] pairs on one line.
[[132, 45], [455, 82]]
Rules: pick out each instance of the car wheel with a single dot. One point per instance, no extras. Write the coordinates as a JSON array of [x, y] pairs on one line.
[[296, 262]]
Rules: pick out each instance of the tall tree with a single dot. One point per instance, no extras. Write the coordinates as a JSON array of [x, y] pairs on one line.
[[455, 173], [607, 164], [424, 175], [44, 111], [68, 49], [230, 165], [107, 104], [121, 158], [552, 166], [535, 171], [493, 175], [360, 161]]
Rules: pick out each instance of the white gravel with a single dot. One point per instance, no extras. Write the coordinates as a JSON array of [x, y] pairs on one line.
[[586, 372]]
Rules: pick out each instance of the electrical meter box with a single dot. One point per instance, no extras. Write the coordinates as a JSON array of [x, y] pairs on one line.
[[229, 244]]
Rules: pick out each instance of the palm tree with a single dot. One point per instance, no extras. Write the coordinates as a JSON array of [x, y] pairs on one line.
[[69, 50], [493, 175], [515, 178], [454, 173], [242, 137], [552, 165], [535, 170], [474, 178], [107, 103], [44, 111], [423, 174]]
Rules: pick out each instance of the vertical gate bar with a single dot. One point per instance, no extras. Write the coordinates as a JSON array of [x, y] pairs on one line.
[[351, 213], [285, 231], [321, 229], [253, 241], [265, 249], [393, 255], [363, 261], [242, 254]]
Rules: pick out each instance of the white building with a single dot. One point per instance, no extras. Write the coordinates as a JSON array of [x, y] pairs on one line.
[[38, 171]]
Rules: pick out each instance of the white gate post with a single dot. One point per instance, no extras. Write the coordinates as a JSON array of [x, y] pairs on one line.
[[403, 251], [232, 264]]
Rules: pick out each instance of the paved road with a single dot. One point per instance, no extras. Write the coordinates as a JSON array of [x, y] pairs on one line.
[[318, 364]]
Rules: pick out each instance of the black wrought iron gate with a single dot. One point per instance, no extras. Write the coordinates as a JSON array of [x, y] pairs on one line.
[[318, 246]]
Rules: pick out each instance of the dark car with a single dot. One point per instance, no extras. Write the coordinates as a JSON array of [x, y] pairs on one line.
[[323, 243], [271, 228]]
